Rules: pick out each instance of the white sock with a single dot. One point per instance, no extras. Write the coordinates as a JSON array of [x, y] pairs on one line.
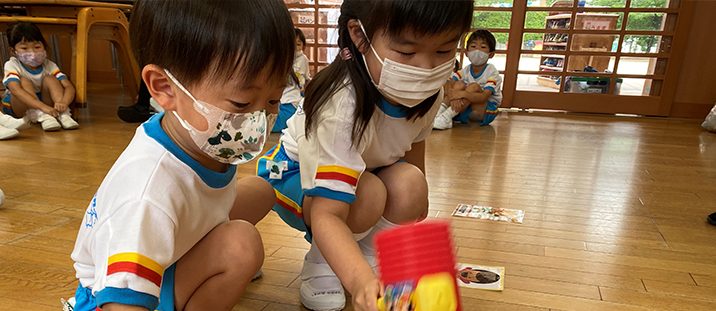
[[449, 113], [314, 255], [329, 283], [366, 243], [34, 114]]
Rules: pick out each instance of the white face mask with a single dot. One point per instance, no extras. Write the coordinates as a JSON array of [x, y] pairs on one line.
[[478, 57], [409, 85], [231, 138]]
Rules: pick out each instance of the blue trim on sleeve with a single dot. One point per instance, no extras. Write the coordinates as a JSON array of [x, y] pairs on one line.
[[480, 74], [215, 180], [331, 194], [490, 88], [10, 80], [455, 78], [62, 77], [35, 72], [126, 296]]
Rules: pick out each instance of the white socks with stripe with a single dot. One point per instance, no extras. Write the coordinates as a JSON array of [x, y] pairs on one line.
[[366, 243]]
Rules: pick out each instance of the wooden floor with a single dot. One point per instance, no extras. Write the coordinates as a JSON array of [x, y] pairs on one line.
[[615, 211]]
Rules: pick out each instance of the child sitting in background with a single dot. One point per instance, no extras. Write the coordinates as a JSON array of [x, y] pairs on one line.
[[475, 91], [37, 90], [300, 63], [293, 93]]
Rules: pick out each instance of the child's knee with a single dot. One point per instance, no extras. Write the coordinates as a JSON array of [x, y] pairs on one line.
[[472, 87], [262, 192], [241, 244], [476, 116], [50, 81]]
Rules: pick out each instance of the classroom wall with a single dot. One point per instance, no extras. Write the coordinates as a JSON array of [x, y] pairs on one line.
[[696, 90]]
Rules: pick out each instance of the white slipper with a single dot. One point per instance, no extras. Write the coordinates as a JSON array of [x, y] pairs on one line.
[[321, 290]]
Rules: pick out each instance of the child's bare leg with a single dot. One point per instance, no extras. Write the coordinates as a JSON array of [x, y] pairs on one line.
[[19, 108], [215, 272], [366, 210], [52, 92], [478, 111], [254, 199], [407, 191]]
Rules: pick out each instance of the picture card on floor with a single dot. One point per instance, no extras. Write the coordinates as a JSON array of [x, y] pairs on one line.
[[488, 212], [482, 277]]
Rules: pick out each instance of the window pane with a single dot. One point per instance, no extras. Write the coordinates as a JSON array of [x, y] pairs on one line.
[[645, 44], [599, 21], [598, 63], [637, 65], [550, 3], [645, 21], [527, 82], [491, 19], [538, 20], [544, 41], [602, 3], [590, 85], [595, 43], [638, 87], [649, 3], [494, 3]]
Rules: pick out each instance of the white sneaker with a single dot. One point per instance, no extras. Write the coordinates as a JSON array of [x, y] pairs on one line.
[[6, 133], [258, 274], [321, 290], [49, 123], [442, 109], [442, 122], [2, 198], [14, 123], [67, 122]]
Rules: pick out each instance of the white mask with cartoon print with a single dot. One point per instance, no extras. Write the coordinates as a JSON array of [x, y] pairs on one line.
[[231, 138]]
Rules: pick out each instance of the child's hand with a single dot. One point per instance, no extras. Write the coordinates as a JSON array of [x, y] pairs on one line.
[[61, 107], [366, 297], [459, 104], [50, 111]]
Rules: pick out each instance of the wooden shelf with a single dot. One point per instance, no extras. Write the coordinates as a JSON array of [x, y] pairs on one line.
[[551, 67], [552, 56], [544, 81], [555, 43]]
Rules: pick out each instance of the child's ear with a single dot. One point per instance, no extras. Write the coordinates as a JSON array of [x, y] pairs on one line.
[[11, 50], [492, 54], [159, 86], [358, 36]]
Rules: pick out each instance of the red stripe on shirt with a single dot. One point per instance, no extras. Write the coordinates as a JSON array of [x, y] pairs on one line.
[[135, 268], [338, 176]]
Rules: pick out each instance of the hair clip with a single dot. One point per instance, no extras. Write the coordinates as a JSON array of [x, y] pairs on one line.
[[346, 54]]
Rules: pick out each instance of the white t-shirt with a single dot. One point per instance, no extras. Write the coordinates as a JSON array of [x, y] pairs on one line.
[[488, 79], [291, 95], [300, 67], [330, 166], [14, 69], [153, 206]]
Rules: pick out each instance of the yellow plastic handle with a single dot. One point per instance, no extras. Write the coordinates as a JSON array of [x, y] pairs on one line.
[[381, 304]]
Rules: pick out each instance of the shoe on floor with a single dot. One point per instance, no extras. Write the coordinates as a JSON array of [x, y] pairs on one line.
[[67, 122], [49, 123], [134, 114], [712, 219], [442, 122], [258, 274], [320, 288], [6, 133], [14, 123]]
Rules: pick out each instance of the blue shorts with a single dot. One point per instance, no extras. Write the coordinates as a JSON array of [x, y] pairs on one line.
[[85, 301], [285, 112], [490, 114], [289, 193], [7, 109]]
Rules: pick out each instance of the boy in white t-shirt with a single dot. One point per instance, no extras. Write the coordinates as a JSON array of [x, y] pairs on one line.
[[170, 227], [475, 92], [36, 88]]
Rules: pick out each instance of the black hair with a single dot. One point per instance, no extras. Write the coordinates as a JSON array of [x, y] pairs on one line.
[[392, 17], [457, 66], [24, 31], [483, 34], [214, 39], [300, 36]]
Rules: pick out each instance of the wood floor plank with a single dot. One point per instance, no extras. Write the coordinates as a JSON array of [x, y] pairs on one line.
[[692, 291], [654, 301]]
